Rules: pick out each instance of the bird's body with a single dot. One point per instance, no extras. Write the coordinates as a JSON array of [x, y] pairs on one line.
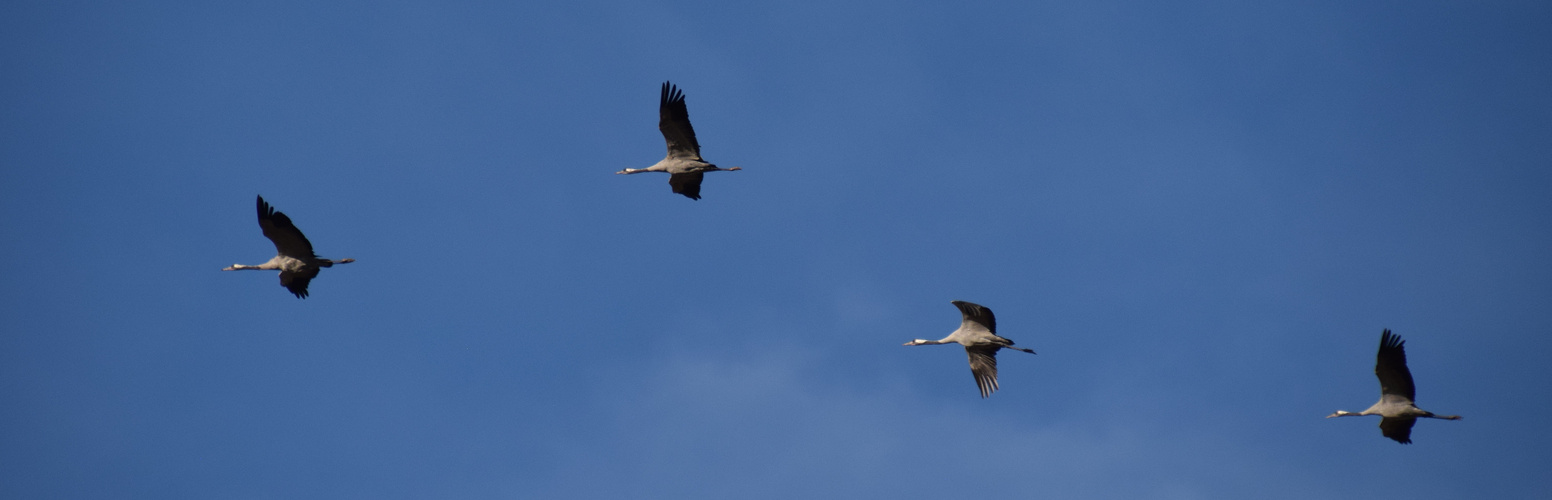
[[684, 164], [978, 333], [294, 256], [1397, 405]]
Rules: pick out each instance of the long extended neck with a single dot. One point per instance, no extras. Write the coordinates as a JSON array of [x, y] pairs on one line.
[[260, 267], [1345, 413]]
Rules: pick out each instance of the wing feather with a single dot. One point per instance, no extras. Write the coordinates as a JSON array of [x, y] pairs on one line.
[[976, 315], [1391, 368], [983, 364], [297, 281], [1398, 428], [688, 184], [674, 122], [288, 240]]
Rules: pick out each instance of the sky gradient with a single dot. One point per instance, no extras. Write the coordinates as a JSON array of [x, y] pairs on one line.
[[1200, 214]]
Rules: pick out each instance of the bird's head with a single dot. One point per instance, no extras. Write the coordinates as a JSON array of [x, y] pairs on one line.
[[918, 342], [1341, 413], [233, 267], [344, 261], [629, 170], [735, 168]]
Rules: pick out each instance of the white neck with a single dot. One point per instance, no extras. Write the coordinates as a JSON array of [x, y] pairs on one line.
[[260, 267]]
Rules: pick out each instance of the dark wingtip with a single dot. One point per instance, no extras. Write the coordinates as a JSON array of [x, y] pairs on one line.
[[265, 209], [671, 93], [1391, 340]]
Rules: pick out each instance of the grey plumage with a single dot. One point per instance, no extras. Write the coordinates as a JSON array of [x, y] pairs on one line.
[[978, 333], [683, 163], [294, 256], [1397, 406]]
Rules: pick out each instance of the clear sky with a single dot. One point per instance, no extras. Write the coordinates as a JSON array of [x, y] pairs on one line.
[[1200, 214]]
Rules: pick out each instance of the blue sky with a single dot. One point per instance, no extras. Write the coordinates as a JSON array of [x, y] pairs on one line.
[[1200, 214]]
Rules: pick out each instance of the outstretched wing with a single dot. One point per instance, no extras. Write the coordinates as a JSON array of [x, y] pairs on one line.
[[674, 121], [688, 184], [976, 317], [297, 281], [1398, 428], [983, 364], [288, 240], [1391, 367]]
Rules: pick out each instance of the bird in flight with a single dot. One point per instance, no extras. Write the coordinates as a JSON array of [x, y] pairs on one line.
[[683, 163], [1397, 405], [978, 333], [294, 255]]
